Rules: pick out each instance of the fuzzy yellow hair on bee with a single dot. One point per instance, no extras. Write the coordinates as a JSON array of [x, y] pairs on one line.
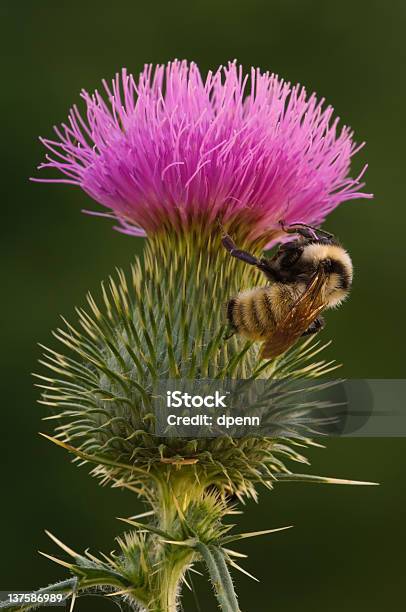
[[307, 276]]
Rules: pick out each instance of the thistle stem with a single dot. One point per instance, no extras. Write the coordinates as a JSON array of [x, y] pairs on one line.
[[174, 495], [169, 582]]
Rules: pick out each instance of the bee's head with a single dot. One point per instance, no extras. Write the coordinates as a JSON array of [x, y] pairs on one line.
[[337, 266], [297, 261]]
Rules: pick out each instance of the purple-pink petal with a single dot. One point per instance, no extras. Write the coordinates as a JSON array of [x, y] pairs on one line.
[[172, 148]]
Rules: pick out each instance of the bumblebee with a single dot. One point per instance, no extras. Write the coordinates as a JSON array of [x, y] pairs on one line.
[[306, 276]]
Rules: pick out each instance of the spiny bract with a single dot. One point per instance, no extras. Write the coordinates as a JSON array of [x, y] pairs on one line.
[[167, 322]]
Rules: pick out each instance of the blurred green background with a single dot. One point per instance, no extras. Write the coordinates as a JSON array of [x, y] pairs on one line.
[[345, 550]]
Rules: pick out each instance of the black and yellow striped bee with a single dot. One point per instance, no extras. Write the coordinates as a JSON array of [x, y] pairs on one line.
[[306, 275]]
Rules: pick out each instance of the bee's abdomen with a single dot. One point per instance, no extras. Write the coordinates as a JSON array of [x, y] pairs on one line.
[[250, 313]]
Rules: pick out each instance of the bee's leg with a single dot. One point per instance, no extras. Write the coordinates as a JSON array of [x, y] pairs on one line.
[[315, 327], [307, 231], [231, 247]]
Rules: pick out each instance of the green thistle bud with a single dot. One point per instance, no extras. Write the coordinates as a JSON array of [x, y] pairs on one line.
[[148, 329]]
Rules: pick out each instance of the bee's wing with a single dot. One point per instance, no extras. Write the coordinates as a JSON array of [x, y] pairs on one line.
[[303, 312]]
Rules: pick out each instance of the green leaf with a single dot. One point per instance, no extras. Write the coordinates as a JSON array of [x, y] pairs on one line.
[[66, 586], [220, 577]]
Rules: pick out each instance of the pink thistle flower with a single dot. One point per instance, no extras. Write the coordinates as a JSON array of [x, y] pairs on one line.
[[173, 149]]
